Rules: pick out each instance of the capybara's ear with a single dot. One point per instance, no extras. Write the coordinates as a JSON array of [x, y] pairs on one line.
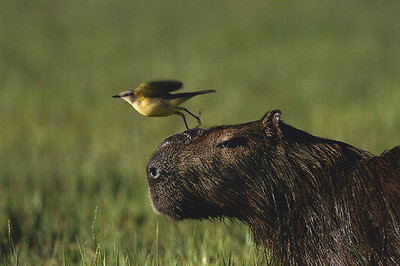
[[271, 122]]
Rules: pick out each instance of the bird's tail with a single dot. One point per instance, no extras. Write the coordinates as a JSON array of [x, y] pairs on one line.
[[179, 98], [203, 92], [191, 94]]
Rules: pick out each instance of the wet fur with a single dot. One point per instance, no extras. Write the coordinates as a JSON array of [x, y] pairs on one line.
[[309, 200]]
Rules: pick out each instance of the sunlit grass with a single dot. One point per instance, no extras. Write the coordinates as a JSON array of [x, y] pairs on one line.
[[72, 159]]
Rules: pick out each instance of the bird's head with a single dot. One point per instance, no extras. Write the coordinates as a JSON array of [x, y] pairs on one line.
[[128, 96]]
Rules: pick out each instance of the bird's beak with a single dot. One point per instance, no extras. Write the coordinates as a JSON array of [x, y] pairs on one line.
[[116, 96]]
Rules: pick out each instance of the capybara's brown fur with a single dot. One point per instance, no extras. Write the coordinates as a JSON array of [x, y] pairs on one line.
[[307, 199]]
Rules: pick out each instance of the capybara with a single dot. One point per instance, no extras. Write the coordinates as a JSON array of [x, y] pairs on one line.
[[307, 199]]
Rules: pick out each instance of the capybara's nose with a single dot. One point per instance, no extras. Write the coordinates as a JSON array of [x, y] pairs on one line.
[[153, 172]]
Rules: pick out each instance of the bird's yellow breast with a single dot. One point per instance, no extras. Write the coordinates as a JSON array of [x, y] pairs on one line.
[[154, 107]]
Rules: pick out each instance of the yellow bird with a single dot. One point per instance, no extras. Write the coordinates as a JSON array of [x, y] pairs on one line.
[[154, 99]]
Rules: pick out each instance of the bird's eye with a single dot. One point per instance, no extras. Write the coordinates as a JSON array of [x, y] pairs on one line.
[[233, 142]]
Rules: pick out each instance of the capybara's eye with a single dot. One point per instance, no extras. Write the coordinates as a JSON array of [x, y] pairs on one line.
[[232, 143]]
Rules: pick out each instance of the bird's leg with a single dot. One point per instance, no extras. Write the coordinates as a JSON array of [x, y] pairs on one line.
[[197, 118], [184, 119]]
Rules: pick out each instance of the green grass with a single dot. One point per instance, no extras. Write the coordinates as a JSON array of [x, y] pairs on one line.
[[72, 159]]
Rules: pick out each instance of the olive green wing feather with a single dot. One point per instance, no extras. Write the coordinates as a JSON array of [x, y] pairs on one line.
[[153, 88], [165, 85]]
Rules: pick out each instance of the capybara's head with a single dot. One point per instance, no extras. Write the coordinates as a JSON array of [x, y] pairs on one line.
[[310, 200], [219, 172]]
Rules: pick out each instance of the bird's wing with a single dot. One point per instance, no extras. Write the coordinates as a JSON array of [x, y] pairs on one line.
[[165, 85], [154, 88]]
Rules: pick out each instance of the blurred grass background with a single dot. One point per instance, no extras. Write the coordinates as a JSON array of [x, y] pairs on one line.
[[72, 159]]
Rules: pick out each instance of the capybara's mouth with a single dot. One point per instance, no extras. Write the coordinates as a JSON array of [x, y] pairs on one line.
[[163, 204]]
